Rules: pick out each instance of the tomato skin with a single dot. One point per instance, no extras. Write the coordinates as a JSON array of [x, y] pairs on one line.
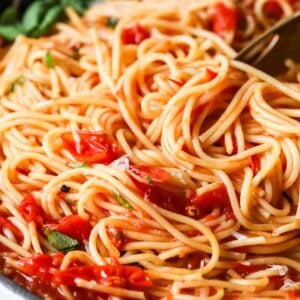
[[224, 19], [5, 223], [31, 210], [245, 270], [146, 173], [91, 147], [273, 9], [134, 35], [210, 74], [211, 199], [113, 274], [73, 226], [179, 83]]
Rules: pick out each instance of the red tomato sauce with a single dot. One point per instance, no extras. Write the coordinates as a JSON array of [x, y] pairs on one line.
[[41, 276]]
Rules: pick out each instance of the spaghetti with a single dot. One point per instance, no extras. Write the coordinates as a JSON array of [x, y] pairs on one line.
[[140, 161]]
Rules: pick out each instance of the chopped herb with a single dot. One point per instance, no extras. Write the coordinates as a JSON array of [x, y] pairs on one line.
[[49, 60], [76, 165], [149, 180], [19, 80], [111, 22], [122, 201], [65, 189], [61, 241]]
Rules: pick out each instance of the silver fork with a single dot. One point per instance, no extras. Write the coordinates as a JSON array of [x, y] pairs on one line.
[[270, 50]]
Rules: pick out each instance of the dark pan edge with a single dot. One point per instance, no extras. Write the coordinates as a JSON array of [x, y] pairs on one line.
[[16, 289]]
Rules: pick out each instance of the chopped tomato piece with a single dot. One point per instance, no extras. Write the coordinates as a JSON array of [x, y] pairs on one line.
[[177, 201], [31, 210], [5, 223], [40, 265], [113, 274], [229, 212], [148, 174], [224, 20], [273, 9], [244, 269], [91, 147], [210, 75], [134, 34], [211, 199], [193, 260], [73, 226]]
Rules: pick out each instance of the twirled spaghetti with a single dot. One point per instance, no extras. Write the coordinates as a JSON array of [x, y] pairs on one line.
[[143, 162]]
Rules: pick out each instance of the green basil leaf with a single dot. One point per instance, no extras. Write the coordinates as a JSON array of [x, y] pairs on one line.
[[9, 16], [10, 32], [122, 201], [47, 23], [49, 60], [79, 6], [61, 241], [34, 14]]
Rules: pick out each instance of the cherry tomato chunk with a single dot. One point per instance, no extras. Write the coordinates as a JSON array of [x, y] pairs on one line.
[[178, 201], [134, 34], [91, 147], [40, 265], [114, 274], [224, 19], [245, 270], [211, 199], [31, 210], [73, 226]]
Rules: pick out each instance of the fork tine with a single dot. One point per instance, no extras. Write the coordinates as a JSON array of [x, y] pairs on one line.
[[269, 51]]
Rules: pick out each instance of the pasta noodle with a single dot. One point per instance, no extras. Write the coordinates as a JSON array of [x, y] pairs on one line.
[[146, 153]]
